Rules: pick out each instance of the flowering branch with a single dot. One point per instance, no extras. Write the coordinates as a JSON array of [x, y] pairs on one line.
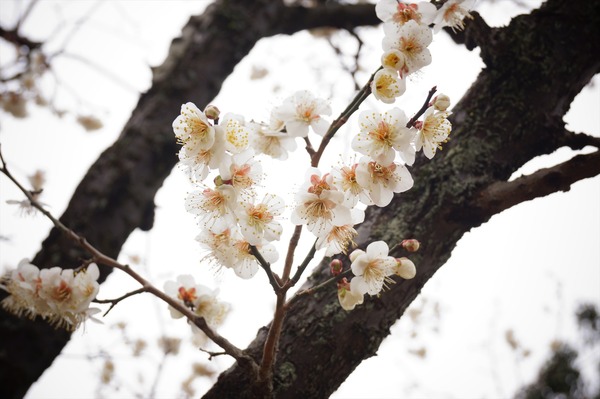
[[101, 258]]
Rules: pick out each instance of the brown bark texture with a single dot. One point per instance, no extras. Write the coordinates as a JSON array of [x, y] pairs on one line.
[[512, 113]]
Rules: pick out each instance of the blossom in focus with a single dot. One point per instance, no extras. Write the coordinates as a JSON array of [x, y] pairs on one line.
[[339, 238], [257, 220], [241, 171], [394, 11], [236, 133], [382, 134], [411, 39], [197, 162], [301, 111], [193, 129], [211, 205], [382, 181], [387, 85], [320, 205], [452, 14], [344, 179], [433, 131], [372, 269]]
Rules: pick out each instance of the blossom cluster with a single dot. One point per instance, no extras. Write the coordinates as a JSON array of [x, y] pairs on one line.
[[236, 222], [60, 296], [232, 217]]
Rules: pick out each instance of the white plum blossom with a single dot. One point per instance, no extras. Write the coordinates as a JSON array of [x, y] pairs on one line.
[[302, 110], [394, 11], [193, 129], [387, 85], [198, 298], [211, 205], [236, 133], [381, 135], [197, 162], [242, 171], [411, 39], [372, 269], [258, 222], [433, 131], [348, 298], [320, 205], [271, 140], [244, 264], [339, 238], [382, 181], [452, 14], [344, 179], [217, 241], [60, 296]]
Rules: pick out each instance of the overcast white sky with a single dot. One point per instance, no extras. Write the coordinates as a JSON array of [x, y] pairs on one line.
[[525, 270]]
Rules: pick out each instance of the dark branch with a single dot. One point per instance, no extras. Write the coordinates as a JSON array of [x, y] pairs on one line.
[[503, 195]]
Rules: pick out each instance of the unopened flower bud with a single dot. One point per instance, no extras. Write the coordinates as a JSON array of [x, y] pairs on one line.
[[405, 268], [212, 112], [441, 102], [355, 254], [336, 266], [410, 245]]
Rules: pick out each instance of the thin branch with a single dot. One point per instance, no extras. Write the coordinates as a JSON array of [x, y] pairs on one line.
[[343, 118], [26, 13], [503, 195], [421, 111], [289, 258], [303, 266], [101, 258], [309, 147], [273, 279], [114, 301], [212, 354], [312, 290], [577, 141]]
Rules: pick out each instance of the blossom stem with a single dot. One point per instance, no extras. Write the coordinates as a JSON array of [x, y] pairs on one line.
[[343, 118], [273, 279], [312, 290], [421, 111]]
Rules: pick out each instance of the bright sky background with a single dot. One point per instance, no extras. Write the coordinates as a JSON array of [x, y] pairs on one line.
[[526, 270]]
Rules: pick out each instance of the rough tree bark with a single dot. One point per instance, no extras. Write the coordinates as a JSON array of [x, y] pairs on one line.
[[512, 113]]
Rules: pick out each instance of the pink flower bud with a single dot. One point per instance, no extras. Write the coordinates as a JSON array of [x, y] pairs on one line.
[[343, 284], [336, 266], [411, 245]]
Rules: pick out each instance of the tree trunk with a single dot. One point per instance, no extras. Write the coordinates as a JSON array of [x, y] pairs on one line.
[[543, 60]]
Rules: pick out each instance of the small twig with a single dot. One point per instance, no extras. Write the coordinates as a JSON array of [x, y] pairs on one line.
[[303, 266], [113, 302], [343, 118], [421, 111], [273, 279], [25, 14], [212, 354], [309, 147]]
